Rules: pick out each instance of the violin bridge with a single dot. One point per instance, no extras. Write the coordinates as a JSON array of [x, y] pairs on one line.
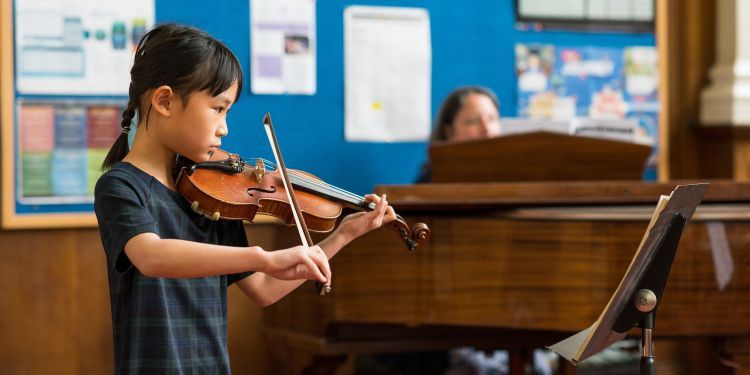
[[260, 170]]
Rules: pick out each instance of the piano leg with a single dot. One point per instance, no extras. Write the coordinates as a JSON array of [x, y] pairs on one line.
[[736, 353], [288, 358], [324, 364], [522, 359], [564, 367], [519, 360], [304, 363]]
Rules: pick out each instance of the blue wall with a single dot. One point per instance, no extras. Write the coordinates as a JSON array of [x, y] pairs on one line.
[[472, 43]]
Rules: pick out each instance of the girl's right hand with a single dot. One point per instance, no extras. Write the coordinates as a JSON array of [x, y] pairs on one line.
[[298, 263]]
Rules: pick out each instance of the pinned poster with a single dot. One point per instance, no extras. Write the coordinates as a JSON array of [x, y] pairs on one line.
[[83, 47], [282, 47], [388, 73]]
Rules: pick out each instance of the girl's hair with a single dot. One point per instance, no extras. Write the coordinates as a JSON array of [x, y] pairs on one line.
[[452, 105], [183, 58]]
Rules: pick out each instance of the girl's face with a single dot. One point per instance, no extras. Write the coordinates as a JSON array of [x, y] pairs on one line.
[[477, 119], [200, 124]]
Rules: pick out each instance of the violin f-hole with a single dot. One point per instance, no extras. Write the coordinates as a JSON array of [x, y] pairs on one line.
[[252, 189]]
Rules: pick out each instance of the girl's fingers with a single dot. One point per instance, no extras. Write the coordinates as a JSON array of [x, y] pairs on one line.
[[382, 213], [372, 198], [379, 212], [323, 264], [313, 267], [390, 214]]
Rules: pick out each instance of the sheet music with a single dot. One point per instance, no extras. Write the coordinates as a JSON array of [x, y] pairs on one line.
[[388, 59]]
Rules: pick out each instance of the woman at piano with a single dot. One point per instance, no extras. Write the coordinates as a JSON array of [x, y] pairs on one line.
[[470, 113], [467, 113]]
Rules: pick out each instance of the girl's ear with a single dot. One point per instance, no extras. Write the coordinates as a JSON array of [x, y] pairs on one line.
[[161, 99]]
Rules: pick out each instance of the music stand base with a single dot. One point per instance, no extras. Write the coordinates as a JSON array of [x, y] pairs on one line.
[[647, 365]]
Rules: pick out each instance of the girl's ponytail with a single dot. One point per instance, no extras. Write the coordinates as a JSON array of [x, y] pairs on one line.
[[183, 58], [120, 147]]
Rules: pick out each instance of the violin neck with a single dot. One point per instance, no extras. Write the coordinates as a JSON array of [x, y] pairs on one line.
[[331, 192], [318, 187]]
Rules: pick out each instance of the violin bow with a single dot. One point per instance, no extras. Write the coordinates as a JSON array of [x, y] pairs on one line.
[[299, 220]]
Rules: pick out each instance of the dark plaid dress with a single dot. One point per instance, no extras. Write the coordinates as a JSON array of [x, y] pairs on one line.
[[162, 325]]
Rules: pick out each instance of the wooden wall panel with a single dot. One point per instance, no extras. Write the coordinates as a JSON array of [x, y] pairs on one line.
[[55, 315], [56, 311]]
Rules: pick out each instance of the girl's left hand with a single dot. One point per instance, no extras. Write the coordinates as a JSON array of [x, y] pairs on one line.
[[359, 223]]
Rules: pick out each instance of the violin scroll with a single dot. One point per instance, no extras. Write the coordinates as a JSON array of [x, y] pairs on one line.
[[413, 236], [420, 232]]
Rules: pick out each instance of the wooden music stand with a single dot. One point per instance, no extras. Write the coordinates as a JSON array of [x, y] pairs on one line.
[[537, 156]]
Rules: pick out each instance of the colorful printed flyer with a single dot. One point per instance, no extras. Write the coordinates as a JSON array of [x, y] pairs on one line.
[[62, 145], [562, 83]]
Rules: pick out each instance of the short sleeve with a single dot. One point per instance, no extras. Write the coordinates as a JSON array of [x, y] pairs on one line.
[[234, 235], [120, 206]]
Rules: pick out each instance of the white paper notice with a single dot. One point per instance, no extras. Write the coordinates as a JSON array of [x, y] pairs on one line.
[[282, 45], [388, 66], [80, 47]]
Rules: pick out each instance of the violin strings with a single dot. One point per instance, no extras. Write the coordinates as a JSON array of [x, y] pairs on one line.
[[331, 189], [316, 182]]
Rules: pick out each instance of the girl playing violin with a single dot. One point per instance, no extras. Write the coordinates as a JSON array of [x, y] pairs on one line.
[[168, 267]]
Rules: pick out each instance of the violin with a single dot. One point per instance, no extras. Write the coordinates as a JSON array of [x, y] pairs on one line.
[[227, 187]]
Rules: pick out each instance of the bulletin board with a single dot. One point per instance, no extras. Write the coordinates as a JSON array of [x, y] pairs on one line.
[[64, 85], [471, 45]]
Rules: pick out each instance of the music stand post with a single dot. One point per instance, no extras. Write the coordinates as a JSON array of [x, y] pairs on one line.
[[647, 351], [642, 312]]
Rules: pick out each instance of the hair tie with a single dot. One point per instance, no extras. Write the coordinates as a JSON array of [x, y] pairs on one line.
[[134, 126]]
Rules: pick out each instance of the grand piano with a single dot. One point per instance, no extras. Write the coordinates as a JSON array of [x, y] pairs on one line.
[[517, 265]]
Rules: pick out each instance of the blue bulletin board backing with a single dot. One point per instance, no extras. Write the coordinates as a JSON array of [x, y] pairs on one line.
[[472, 43]]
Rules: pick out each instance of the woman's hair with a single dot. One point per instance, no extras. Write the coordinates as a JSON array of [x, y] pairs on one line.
[[183, 58], [452, 105]]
